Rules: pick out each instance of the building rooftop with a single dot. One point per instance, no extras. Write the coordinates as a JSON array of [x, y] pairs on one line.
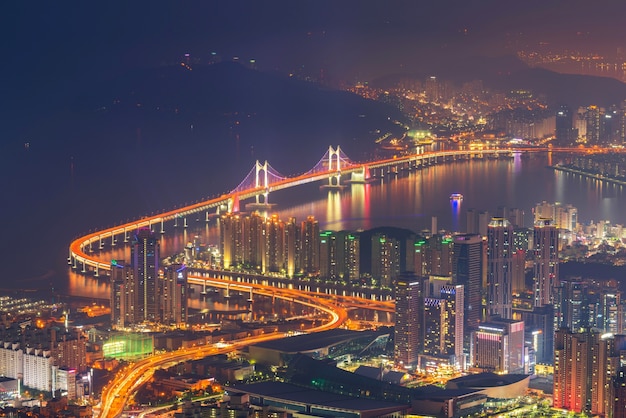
[[297, 394], [307, 342]]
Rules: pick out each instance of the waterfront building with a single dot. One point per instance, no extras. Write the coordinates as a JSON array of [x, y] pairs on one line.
[[498, 346], [292, 246], [253, 239], [565, 134], [467, 270], [545, 262], [339, 256], [584, 364], [144, 253], [409, 318], [499, 267], [231, 245], [386, 256], [310, 246], [122, 295], [274, 254], [174, 294]]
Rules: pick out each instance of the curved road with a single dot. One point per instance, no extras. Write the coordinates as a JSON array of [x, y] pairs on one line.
[[119, 391]]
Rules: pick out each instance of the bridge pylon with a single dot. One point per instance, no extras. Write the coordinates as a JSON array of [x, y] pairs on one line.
[[261, 181], [334, 167]]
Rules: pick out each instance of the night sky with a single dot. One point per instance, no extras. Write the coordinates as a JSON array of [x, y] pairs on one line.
[[56, 54]]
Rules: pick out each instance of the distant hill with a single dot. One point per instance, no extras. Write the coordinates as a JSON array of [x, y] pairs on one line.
[[507, 73], [244, 114]]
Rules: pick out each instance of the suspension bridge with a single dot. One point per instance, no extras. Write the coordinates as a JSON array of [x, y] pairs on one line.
[[332, 168]]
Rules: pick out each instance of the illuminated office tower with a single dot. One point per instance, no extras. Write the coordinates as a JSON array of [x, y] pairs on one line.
[[584, 364], [144, 254], [253, 240], [443, 325], [467, 270], [385, 259], [498, 346], [545, 262], [409, 318], [274, 245], [231, 245], [292, 246], [310, 246], [499, 267], [174, 295]]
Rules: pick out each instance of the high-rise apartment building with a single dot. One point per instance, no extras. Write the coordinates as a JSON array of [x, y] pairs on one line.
[[545, 262], [409, 318], [231, 244], [386, 256], [584, 364], [174, 294], [339, 255], [499, 267], [433, 255], [310, 246]]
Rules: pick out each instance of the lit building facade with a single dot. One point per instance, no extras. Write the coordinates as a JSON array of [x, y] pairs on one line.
[[174, 294], [499, 267], [498, 346], [545, 262], [467, 270], [409, 318], [144, 252]]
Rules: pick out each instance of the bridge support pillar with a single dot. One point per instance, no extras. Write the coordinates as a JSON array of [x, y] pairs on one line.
[[176, 221], [206, 216], [112, 239], [84, 270], [101, 243], [184, 222], [96, 271], [126, 238], [162, 227]]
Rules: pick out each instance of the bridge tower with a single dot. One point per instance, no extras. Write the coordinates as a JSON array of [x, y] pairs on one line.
[[334, 163], [261, 181]]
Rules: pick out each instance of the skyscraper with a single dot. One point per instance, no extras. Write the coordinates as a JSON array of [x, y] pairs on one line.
[[467, 270], [144, 253], [545, 262], [310, 246], [122, 295], [386, 257], [174, 295], [584, 364], [409, 318], [499, 267]]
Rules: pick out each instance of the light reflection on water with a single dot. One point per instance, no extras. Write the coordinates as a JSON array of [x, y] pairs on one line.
[[409, 201]]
